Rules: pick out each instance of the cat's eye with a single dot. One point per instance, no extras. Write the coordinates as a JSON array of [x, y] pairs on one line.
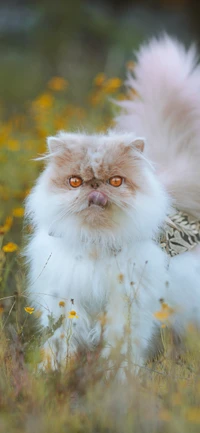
[[75, 181], [116, 181]]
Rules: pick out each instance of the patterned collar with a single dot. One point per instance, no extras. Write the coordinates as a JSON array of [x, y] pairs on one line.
[[180, 233]]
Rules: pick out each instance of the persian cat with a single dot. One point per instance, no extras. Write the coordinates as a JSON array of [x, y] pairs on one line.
[[101, 204]]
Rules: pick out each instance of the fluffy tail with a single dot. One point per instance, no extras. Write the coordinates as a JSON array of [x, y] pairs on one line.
[[166, 111]]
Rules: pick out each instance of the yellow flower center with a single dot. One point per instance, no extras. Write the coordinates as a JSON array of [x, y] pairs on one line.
[[61, 304], [73, 313]]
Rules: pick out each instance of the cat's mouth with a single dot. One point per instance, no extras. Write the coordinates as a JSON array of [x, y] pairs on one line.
[[96, 206]]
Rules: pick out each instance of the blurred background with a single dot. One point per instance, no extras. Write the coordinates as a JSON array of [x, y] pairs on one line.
[[77, 39]]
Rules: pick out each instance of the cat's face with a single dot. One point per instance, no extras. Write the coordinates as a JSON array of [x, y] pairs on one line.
[[97, 189], [96, 177]]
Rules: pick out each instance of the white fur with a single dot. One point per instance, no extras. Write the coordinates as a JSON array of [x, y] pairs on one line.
[[113, 271]]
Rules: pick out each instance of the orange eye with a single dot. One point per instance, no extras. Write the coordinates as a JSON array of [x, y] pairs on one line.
[[75, 181], [115, 181]]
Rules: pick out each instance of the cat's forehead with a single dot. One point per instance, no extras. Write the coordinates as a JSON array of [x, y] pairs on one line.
[[98, 152], [92, 155], [90, 161], [98, 149], [99, 156]]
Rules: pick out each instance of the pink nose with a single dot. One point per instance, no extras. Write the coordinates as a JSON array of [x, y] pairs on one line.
[[98, 198]]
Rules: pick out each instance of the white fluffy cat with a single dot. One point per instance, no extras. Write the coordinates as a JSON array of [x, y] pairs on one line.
[[100, 203]]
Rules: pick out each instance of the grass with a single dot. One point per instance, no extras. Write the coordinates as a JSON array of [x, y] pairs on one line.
[[84, 396]]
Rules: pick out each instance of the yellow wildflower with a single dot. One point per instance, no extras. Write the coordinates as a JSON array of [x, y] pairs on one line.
[[29, 310], [99, 79], [112, 85], [57, 84], [61, 304], [7, 225], [72, 315], [9, 221], [43, 101], [10, 247], [164, 313], [3, 229], [18, 212]]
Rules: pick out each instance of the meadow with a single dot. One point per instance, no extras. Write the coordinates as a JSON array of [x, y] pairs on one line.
[[163, 396]]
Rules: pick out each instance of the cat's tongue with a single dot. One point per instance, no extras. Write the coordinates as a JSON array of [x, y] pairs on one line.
[[97, 198]]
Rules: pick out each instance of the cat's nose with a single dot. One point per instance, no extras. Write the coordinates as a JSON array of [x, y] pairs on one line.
[[94, 184], [98, 198]]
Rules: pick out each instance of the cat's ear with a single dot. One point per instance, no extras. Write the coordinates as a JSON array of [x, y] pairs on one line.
[[138, 144], [54, 144]]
